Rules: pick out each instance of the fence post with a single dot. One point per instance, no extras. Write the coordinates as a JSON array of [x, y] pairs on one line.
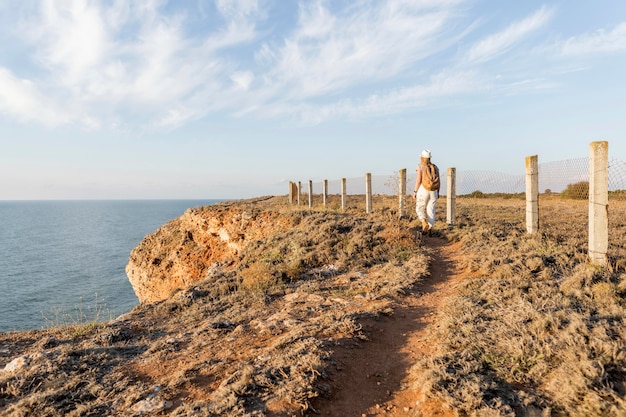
[[325, 192], [299, 191], [343, 194], [451, 197], [598, 202], [293, 193], [532, 194], [368, 193], [310, 194], [402, 190]]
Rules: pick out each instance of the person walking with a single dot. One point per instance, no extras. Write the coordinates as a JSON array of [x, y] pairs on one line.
[[426, 191]]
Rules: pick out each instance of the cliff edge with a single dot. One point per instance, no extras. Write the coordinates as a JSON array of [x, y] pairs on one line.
[[199, 243], [242, 306]]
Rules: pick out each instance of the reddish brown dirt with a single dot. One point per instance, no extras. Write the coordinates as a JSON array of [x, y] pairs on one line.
[[371, 378]]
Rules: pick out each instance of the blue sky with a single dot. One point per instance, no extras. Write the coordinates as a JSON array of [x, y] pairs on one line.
[[233, 99]]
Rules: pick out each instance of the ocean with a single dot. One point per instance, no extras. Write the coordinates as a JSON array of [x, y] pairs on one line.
[[63, 262]]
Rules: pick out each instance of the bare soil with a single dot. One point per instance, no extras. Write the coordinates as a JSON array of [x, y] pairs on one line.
[[370, 378]]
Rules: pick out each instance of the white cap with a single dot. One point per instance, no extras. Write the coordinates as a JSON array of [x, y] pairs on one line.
[[425, 154]]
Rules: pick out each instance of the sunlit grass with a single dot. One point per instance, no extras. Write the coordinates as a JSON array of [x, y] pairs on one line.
[[538, 330]]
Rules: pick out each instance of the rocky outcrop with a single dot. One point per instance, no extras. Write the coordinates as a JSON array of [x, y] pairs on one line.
[[186, 249]]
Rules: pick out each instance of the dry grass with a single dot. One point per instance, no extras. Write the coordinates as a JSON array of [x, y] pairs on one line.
[[254, 338], [538, 331]]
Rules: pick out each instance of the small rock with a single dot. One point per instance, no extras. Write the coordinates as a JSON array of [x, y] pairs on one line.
[[150, 405], [17, 363], [292, 297], [225, 324], [47, 343]]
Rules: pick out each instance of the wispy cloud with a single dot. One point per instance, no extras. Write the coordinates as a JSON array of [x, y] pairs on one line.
[[369, 41], [160, 64], [597, 42], [440, 86], [499, 43], [22, 100], [132, 58]]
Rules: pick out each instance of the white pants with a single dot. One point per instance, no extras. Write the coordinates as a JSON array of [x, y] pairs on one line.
[[425, 202]]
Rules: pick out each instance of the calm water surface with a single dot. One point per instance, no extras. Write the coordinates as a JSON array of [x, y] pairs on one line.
[[63, 261]]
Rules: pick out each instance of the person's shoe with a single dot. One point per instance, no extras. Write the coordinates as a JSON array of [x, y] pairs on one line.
[[425, 227], [430, 231]]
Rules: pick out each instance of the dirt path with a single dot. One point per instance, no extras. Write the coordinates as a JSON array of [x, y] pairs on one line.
[[370, 378]]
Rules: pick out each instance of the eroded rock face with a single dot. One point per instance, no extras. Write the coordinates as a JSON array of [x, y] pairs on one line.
[[183, 250]]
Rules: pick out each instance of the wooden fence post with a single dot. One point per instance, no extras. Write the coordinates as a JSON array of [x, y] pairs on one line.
[[532, 194], [599, 202], [343, 194], [451, 197], [310, 194], [325, 192], [402, 191], [368, 193]]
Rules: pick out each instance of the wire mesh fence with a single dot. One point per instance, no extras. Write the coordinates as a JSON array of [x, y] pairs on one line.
[[563, 187], [567, 179]]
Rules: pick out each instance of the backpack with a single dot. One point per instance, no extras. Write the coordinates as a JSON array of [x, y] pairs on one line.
[[430, 177]]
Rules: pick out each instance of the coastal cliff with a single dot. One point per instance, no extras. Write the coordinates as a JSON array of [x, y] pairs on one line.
[[242, 304], [201, 242], [261, 308]]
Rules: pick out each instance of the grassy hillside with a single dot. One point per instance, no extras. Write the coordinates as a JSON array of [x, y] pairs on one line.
[[534, 330], [253, 338], [537, 330]]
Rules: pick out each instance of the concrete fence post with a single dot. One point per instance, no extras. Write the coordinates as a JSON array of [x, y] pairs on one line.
[[598, 202], [532, 194], [343, 194], [299, 191], [310, 194], [451, 197], [325, 192], [402, 191], [368, 193]]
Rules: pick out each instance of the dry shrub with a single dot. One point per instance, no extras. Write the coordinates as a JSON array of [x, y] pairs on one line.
[[621, 285], [260, 277], [539, 331]]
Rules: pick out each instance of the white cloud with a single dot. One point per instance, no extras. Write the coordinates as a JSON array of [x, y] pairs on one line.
[[72, 37], [125, 59], [21, 99], [242, 79], [238, 9], [367, 42], [598, 42], [442, 85], [498, 43], [157, 64]]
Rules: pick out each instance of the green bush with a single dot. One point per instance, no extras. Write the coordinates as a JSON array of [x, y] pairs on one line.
[[477, 194], [577, 191], [618, 194]]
